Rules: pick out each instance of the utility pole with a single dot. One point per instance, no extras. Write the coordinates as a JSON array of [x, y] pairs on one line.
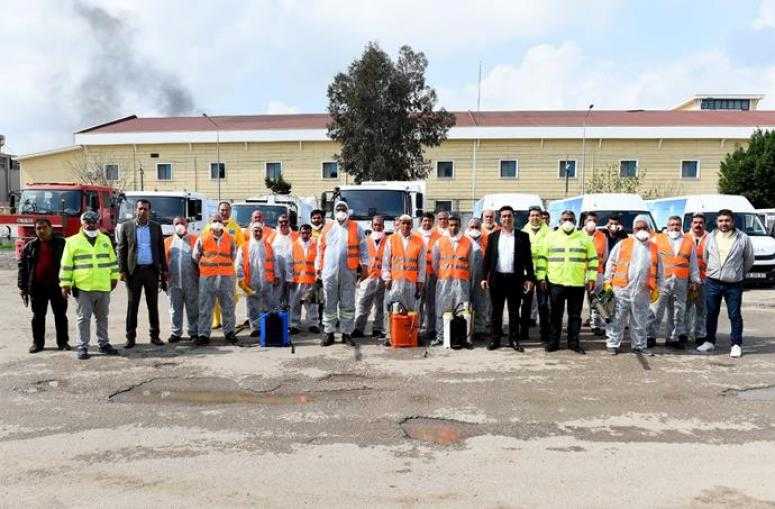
[[217, 151], [476, 124], [584, 150]]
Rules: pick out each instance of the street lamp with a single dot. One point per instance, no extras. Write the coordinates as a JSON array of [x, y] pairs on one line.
[[217, 151], [584, 148]]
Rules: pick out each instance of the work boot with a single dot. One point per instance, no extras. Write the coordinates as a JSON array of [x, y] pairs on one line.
[[576, 347], [82, 354], [376, 333], [314, 329], [612, 350], [130, 343], [327, 339], [698, 341], [597, 331], [387, 342], [36, 348], [357, 333], [637, 350], [173, 339], [651, 342], [231, 338], [156, 341], [683, 339], [202, 341], [494, 344], [64, 346], [513, 343], [348, 340], [108, 349], [437, 342], [551, 347], [293, 331], [678, 345]]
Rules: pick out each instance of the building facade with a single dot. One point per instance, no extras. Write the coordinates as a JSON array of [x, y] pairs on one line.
[[550, 153]]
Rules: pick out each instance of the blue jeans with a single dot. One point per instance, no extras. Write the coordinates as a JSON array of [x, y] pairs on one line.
[[732, 293]]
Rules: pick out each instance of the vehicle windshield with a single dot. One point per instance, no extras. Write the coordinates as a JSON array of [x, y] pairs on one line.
[[163, 208], [748, 222], [44, 201], [626, 217], [367, 203], [242, 212]]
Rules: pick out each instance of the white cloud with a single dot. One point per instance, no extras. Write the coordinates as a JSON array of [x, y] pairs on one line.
[[280, 108], [766, 18]]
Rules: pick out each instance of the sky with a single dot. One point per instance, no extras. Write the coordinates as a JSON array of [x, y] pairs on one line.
[[67, 65]]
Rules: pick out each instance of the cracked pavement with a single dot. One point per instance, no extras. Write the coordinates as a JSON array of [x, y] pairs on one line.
[[243, 426]]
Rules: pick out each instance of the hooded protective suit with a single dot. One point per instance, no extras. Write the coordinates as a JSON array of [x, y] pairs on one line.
[[371, 291], [300, 275], [217, 280], [404, 270], [183, 284], [480, 299], [673, 290], [695, 308], [281, 245], [633, 270], [260, 270], [454, 260], [342, 250], [428, 304]]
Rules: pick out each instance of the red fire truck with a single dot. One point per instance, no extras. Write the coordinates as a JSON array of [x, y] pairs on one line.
[[62, 204]]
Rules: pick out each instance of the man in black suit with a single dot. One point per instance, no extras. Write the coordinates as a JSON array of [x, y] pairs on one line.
[[143, 266], [508, 272]]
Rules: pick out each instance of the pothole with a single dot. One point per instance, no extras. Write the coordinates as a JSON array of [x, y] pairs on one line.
[[764, 393], [439, 431], [42, 386]]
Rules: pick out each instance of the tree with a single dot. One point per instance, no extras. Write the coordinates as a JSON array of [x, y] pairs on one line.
[[382, 115], [750, 171], [89, 169], [278, 185], [609, 180]]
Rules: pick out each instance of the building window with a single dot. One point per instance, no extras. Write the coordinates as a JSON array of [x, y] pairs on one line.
[[567, 168], [725, 104], [274, 171], [330, 170], [445, 169], [217, 170], [690, 169], [444, 205], [628, 169], [164, 171], [509, 169], [111, 172]]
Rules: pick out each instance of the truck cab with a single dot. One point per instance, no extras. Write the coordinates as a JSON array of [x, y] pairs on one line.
[[389, 199], [273, 206]]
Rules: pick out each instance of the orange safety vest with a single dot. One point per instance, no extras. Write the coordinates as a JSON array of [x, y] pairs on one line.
[[272, 235], [216, 258], [454, 264], [435, 235], [168, 245], [247, 233], [622, 273], [699, 249], [601, 246], [375, 256], [304, 265], [675, 265], [353, 245], [268, 262], [404, 265]]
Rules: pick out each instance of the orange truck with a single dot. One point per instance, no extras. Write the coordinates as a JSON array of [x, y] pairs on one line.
[[62, 204]]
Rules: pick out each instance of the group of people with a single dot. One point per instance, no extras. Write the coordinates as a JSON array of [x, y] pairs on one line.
[[334, 275]]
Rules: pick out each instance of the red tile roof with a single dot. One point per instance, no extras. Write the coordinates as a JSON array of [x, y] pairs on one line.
[[639, 118]]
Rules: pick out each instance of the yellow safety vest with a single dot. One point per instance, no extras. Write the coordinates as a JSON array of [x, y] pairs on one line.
[[571, 259], [88, 267]]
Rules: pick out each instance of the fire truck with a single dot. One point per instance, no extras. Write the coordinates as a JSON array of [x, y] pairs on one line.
[[62, 204]]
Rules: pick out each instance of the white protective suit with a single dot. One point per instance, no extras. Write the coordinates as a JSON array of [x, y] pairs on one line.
[[301, 291], [428, 304], [262, 299], [404, 292], [632, 301], [212, 290], [371, 293], [183, 286], [480, 299], [339, 281], [695, 309], [673, 294], [451, 292], [281, 244]]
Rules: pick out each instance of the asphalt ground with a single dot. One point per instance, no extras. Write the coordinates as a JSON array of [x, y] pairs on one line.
[[244, 426]]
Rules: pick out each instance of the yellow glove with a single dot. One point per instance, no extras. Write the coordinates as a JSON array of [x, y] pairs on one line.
[[654, 295], [245, 288], [607, 287]]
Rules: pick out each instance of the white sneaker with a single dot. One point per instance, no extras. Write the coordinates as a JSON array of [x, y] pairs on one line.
[[706, 347], [736, 352]]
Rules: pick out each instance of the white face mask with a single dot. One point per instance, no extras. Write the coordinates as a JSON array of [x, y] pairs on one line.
[[568, 226], [216, 227], [590, 226], [615, 227], [377, 236], [642, 235], [91, 233], [180, 229], [341, 215], [473, 233], [673, 234]]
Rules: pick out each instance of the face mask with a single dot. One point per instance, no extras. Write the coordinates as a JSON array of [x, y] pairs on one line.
[[180, 229], [590, 226], [377, 236], [474, 234], [642, 235], [91, 233], [673, 234], [568, 226], [614, 227], [216, 227], [341, 215]]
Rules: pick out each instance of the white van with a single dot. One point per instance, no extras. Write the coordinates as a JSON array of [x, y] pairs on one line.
[[167, 205], [624, 205], [520, 202], [273, 206], [746, 219]]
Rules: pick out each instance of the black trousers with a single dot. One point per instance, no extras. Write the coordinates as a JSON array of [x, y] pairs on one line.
[[143, 278], [574, 297], [505, 288], [40, 297], [543, 313]]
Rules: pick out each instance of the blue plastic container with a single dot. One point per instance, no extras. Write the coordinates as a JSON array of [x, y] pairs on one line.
[[274, 338]]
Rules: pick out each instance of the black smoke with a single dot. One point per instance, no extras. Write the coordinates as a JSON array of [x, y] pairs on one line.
[[119, 80]]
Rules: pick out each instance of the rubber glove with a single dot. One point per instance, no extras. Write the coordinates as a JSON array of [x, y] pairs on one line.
[[654, 295], [246, 288], [608, 287]]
